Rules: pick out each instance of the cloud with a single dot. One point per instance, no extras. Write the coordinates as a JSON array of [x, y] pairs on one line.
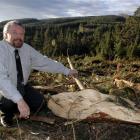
[[125, 6], [12, 9]]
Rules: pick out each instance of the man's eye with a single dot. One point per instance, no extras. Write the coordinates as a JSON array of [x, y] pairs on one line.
[[15, 33]]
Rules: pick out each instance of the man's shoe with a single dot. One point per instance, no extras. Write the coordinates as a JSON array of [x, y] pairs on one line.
[[6, 121]]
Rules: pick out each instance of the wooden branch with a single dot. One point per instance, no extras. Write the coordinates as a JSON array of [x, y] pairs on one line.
[[42, 119], [80, 85], [120, 83], [39, 119], [49, 88]]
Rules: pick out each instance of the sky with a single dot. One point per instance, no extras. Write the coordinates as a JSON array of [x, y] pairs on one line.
[[43, 9]]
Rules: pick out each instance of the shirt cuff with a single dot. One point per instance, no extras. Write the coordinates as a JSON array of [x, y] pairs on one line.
[[17, 98]]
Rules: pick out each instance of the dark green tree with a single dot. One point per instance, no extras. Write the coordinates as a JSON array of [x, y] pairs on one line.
[[137, 12]]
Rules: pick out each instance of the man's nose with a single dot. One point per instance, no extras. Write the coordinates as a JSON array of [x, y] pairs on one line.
[[19, 35]]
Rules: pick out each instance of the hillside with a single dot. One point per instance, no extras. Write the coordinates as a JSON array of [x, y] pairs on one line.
[[106, 36]]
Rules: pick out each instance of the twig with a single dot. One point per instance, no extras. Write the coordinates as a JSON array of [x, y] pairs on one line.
[[80, 85], [73, 129], [95, 83], [18, 128], [71, 122]]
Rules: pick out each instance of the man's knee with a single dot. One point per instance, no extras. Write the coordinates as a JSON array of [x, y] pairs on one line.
[[7, 105]]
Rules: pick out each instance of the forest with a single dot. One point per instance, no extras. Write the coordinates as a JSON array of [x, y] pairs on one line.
[[107, 37]]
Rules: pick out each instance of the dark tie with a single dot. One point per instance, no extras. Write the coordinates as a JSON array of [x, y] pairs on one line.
[[20, 79]]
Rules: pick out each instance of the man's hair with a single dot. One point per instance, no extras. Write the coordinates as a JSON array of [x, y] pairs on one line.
[[8, 25]]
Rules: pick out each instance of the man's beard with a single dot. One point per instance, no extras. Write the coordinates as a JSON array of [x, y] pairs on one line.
[[17, 43]]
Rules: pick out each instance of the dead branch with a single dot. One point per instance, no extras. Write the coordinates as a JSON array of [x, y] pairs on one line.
[[120, 83], [80, 85], [51, 89], [42, 119], [46, 87], [39, 119]]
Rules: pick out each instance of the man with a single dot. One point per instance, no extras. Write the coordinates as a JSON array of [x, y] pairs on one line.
[[17, 59]]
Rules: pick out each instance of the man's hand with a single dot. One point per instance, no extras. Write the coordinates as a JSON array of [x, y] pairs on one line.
[[23, 109], [73, 73]]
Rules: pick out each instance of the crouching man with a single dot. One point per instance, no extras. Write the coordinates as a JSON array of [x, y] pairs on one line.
[[17, 59]]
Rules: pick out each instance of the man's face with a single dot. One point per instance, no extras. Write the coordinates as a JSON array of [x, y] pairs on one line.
[[15, 36]]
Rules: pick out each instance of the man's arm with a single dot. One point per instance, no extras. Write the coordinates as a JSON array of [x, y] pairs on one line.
[[9, 91], [7, 88], [43, 63]]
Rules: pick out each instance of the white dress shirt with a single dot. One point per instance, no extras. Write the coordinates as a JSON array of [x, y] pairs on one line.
[[30, 59]]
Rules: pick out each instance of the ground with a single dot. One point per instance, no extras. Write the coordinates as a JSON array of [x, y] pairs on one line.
[[84, 130], [93, 74]]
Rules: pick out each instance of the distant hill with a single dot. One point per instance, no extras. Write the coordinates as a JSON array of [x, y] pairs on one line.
[[23, 21], [99, 19]]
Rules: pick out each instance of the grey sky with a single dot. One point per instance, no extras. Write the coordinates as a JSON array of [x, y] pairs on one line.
[[14, 9]]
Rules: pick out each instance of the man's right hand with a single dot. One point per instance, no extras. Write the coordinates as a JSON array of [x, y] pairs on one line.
[[73, 73], [23, 109]]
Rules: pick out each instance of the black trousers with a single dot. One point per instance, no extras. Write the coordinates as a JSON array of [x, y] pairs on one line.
[[32, 97]]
